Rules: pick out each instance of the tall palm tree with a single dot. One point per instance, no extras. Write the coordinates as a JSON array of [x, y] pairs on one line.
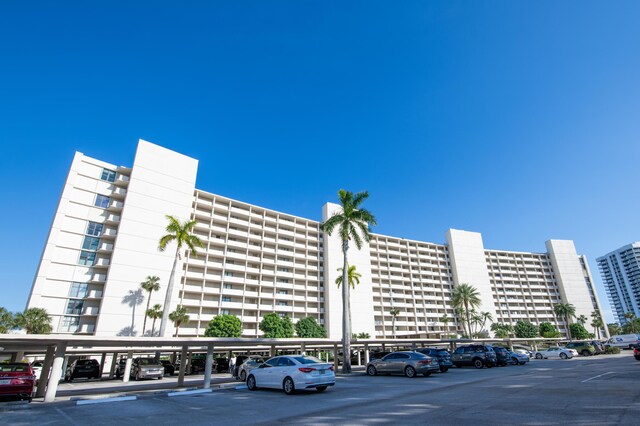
[[180, 232], [484, 317], [353, 276], [596, 323], [582, 319], [154, 313], [445, 320], [566, 311], [6, 320], [466, 297], [151, 284], [179, 316], [394, 313], [353, 223], [34, 321]]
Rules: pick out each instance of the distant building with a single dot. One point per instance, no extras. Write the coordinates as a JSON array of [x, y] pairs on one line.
[[104, 241], [620, 271]]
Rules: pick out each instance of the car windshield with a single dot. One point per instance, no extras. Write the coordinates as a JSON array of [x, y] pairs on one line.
[[85, 362], [6, 368], [307, 359], [443, 352], [146, 361]]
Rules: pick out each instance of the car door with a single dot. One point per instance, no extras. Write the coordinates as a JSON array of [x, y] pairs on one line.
[[553, 352], [400, 363], [385, 363], [266, 374], [282, 370]]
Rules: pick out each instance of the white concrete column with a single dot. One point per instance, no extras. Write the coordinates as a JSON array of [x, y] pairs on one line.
[[335, 357], [366, 354], [18, 356], [103, 360], [207, 367], [46, 369], [56, 372], [114, 364], [272, 351], [183, 365], [303, 349], [127, 367], [64, 365], [359, 357]]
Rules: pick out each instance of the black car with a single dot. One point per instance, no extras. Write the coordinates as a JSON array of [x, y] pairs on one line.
[[503, 356], [87, 368], [222, 365], [477, 355], [442, 355], [169, 368]]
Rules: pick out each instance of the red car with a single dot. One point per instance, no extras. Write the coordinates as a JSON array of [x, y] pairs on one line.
[[17, 379], [636, 352]]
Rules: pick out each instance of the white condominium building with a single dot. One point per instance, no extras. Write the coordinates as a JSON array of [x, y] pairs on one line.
[[620, 272], [104, 242]]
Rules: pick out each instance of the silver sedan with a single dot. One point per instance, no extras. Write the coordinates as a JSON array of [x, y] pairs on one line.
[[406, 362]]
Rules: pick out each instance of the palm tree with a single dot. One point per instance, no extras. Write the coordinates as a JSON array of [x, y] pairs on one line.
[[445, 320], [629, 316], [353, 223], [566, 311], [353, 277], [582, 319], [465, 297], [484, 317], [596, 323], [181, 234], [179, 316], [151, 284], [6, 320], [154, 313], [34, 321], [394, 313]]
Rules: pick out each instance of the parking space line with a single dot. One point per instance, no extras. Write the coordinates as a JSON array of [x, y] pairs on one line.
[[103, 400], [599, 375]]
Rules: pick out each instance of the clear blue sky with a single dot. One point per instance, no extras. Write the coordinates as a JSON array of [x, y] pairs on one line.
[[520, 120]]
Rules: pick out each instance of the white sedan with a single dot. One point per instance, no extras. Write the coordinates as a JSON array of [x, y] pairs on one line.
[[291, 372], [556, 352]]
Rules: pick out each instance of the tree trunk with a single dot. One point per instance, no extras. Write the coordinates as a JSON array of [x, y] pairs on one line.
[[153, 327], [466, 312], [393, 326], [144, 324], [167, 297], [346, 315]]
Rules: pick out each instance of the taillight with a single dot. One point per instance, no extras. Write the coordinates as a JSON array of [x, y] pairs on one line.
[[425, 361], [331, 368], [306, 369]]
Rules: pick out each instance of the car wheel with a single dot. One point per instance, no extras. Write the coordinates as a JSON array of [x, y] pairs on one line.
[[371, 370], [477, 363], [515, 361], [321, 388], [160, 378], [489, 365], [251, 383], [444, 369], [243, 376], [585, 353], [288, 386], [409, 371], [563, 355], [538, 356]]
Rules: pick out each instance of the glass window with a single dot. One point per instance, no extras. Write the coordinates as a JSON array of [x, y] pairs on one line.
[[70, 324], [79, 290], [285, 362], [95, 229], [307, 360], [74, 307], [102, 201], [403, 356], [272, 362], [108, 175], [90, 243], [87, 258], [226, 299]]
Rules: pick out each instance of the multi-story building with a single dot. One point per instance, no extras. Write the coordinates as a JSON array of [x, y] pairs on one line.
[[620, 272], [104, 242]]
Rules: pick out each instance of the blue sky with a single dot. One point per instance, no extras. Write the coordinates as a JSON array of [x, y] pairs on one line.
[[519, 120]]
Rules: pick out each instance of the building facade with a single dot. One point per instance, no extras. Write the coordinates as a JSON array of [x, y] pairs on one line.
[[620, 272], [104, 242]]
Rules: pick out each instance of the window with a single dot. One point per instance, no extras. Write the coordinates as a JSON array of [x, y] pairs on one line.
[[228, 274], [108, 175], [74, 307], [228, 286], [79, 290], [283, 292], [70, 324], [102, 201], [282, 303], [95, 229], [225, 312], [91, 243], [87, 258], [226, 299]]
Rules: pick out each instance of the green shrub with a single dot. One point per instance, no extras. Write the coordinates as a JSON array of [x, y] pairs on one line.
[[612, 350]]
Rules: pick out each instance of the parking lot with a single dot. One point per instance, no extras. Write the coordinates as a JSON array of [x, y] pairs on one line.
[[593, 390]]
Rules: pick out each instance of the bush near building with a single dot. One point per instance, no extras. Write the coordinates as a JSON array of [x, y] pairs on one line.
[[525, 329], [224, 326]]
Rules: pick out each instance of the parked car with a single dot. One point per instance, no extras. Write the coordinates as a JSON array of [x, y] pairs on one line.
[[442, 355], [477, 355], [196, 366], [169, 368], [378, 354], [222, 365], [291, 372], [623, 341], [518, 358], [556, 352], [599, 346], [503, 355], [254, 361], [636, 352], [583, 348], [87, 368], [405, 362], [141, 368], [17, 379], [523, 351]]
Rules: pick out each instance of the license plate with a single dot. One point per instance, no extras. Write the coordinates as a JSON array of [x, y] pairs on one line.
[[323, 371], [5, 382]]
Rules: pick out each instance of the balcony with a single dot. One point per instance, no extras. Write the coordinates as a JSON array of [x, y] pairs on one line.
[[105, 247], [122, 180], [109, 233], [94, 294], [112, 219], [115, 205], [87, 329], [90, 311], [101, 262], [119, 193], [98, 278]]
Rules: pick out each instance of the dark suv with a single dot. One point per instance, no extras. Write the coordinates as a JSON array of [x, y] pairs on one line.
[[88, 368], [503, 357], [442, 355], [477, 355]]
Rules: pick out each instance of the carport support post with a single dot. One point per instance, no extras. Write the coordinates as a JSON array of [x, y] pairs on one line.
[[183, 365], [56, 373], [114, 362], [102, 361], [335, 357], [46, 368], [127, 367], [272, 351], [207, 367], [366, 353], [303, 349], [17, 356]]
